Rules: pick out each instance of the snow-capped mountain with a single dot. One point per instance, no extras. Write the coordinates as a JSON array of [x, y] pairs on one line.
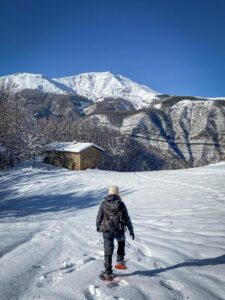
[[100, 85], [96, 86]]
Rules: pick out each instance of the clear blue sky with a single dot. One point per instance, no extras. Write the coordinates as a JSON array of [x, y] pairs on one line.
[[173, 46]]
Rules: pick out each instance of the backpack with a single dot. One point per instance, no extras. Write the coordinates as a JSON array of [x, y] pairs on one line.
[[113, 216]]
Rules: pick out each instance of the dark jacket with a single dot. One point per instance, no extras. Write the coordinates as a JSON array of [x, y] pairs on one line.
[[102, 211]]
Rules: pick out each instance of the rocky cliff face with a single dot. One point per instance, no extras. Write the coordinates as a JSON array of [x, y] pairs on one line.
[[174, 132], [181, 133], [47, 105], [199, 130]]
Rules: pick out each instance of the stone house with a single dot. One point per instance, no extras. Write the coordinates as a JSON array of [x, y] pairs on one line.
[[73, 156]]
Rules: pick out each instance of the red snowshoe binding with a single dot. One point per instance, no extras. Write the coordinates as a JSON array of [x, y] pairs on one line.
[[121, 265]]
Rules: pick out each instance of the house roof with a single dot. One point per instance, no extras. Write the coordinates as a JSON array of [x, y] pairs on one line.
[[70, 147]]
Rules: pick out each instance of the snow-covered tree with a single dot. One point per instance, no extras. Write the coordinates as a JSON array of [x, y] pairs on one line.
[[19, 131]]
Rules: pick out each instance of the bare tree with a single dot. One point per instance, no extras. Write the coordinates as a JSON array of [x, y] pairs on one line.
[[19, 131]]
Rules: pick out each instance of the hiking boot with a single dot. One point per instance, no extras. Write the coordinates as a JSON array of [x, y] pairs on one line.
[[106, 277], [120, 259]]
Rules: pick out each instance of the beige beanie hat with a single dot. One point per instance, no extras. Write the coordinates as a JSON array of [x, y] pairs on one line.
[[113, 190]]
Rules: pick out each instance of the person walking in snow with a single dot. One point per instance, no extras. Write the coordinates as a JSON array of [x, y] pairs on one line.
[[112, 220]]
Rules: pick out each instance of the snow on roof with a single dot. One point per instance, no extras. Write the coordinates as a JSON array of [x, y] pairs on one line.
[[70, 147]]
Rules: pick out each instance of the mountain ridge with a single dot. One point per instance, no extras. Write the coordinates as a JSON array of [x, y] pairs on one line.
[[96, 86]]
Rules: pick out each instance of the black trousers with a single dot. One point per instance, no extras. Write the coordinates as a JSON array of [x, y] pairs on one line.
[[108, 238]]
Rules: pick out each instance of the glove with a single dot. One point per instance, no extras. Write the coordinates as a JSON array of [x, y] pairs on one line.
[[132, 235], [97, 229]]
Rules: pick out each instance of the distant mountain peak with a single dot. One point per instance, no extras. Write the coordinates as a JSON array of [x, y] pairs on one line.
[[100, 85], [95, 86]]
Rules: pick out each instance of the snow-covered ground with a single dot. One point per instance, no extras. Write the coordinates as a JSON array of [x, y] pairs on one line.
[[50, 249]]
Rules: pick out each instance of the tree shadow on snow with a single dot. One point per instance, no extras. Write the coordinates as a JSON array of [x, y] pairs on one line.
[[31, 201], [189, 263], [38, 204]]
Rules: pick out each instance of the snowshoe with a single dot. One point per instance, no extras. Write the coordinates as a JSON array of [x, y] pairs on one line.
[[106, 277], [121, 265]]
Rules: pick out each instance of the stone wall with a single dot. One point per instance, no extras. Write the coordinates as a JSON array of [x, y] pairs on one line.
[[63, 159], [90, 158]]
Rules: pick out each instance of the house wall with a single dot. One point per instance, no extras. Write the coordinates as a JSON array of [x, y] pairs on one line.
[[90, 158], [63, 159], [75, 161]]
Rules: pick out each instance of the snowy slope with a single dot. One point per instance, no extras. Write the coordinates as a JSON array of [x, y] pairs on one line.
[[39, 82], [100, 85], [50, 249]]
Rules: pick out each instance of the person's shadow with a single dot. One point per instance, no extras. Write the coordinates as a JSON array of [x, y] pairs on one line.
[[189, 263]]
